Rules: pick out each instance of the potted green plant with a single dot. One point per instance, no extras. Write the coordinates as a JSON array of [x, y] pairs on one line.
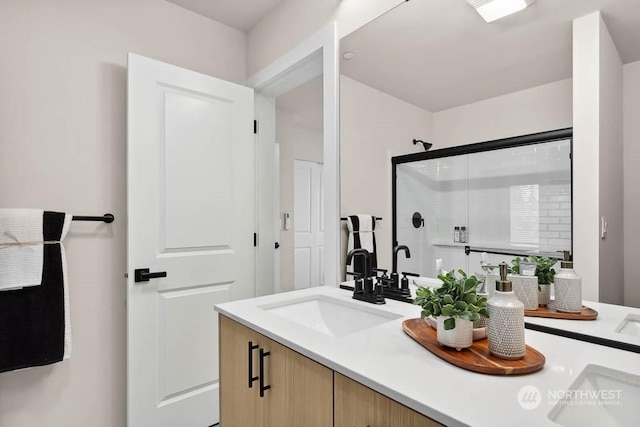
[[544, 271], [455, 305]]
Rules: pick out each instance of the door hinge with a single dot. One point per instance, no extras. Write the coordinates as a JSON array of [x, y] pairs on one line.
[[255, 126], [255, 239]]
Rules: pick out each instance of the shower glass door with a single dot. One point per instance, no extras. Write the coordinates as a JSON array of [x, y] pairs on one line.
[[512, 200]]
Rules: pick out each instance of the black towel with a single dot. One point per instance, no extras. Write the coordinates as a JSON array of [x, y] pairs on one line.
[[32, 320], [362, 235]]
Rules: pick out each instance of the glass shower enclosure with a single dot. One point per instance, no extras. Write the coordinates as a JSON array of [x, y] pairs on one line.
[[492, 200]]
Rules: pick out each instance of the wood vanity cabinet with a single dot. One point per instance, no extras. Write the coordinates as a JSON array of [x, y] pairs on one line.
[[359, 406], [299, 393]]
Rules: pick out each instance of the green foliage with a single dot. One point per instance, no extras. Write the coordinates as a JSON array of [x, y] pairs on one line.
[[544, 267], [455, 298]]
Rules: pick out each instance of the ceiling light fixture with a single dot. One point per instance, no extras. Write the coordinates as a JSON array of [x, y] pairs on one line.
[[491, 10], [348, 55]]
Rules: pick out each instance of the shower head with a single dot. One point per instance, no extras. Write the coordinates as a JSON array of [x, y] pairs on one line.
[[426, 145]]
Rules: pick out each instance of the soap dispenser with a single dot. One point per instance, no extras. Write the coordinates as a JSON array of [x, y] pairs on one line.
[[568, 288], [506, 320]]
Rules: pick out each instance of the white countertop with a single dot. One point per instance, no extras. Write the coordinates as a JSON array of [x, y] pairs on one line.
[[604, 326], [385, 359]]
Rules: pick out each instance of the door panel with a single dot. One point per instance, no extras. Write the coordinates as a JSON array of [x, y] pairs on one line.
[[308, 224], [194, 138], [181, 311], [191, 215], [302, 270]]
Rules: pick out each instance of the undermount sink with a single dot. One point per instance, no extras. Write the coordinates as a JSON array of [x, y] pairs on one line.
[[330, 316], [630, 326], [599, 396]]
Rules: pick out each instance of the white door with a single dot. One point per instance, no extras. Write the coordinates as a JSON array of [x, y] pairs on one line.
[[308, 224], [191, 215]]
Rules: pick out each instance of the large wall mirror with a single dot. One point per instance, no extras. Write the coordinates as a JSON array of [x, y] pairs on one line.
[[435, 71]]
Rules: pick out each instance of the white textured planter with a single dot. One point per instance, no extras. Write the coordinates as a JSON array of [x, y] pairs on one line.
[[483, 322], [544, 295], [459, 337], [526, 290]]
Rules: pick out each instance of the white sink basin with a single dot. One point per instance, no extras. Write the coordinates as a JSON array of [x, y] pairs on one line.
[[330, 316], [630, 326], [599, 396]]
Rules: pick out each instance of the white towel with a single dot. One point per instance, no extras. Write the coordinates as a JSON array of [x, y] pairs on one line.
[[20, 265], [67, 312]]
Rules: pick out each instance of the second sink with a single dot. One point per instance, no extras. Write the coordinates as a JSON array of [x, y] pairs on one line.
[[599, 396], [630, 326]]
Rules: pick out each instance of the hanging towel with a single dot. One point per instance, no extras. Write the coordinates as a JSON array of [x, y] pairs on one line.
[[362, 235], [35, 326], [21, 248]]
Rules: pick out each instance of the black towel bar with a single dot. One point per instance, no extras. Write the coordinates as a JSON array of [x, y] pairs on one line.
[[108, 218], [377, 218]]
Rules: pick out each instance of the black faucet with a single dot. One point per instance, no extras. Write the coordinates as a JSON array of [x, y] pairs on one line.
[[395, 256], [395, 277], [366, 292], [395, 288]]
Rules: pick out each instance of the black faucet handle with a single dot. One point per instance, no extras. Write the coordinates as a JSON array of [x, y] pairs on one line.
[[404, 273], [380, 270]]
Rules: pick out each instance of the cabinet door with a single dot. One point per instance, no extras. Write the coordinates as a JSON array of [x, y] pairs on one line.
[[301, 390], [239, 404], [359, 406]]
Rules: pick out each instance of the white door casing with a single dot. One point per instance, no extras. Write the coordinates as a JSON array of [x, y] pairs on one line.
[[265, 112], [190, 214], [308, 224], [319, 54], [278, 223]]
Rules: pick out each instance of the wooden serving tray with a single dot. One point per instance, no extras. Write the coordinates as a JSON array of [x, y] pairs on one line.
[[550, 312], [475, 358]]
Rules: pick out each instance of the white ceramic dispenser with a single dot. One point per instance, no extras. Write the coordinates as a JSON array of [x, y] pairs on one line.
[[506, 320], [568, 289]]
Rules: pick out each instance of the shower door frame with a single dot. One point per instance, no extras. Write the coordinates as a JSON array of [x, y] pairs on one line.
[[479, 147]]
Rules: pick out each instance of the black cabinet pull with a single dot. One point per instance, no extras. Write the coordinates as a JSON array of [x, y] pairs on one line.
[[252, 347], [263, 387]]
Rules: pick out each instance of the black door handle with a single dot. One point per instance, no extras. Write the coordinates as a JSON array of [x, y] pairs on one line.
[[143, 275], [252, 347], [263, 387]]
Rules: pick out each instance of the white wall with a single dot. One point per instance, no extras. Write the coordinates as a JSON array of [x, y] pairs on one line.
[[541, 108], [374, 127], [631, 178], [297, 142], [62, 147], [586, 152], [597, 156], [611, 173], [295, 20]]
